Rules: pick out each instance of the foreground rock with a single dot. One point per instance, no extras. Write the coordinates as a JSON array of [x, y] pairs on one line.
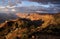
[[31, 26]]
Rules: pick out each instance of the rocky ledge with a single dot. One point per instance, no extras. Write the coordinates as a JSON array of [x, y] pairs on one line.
[[31, 26]]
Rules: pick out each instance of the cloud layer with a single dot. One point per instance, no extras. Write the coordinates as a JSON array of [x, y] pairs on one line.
[[46, 1]]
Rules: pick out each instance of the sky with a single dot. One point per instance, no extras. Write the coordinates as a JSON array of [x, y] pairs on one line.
[[23, 3], [27, 3]]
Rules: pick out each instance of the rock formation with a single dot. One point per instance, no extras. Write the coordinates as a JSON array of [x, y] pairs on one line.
[[31, 26]]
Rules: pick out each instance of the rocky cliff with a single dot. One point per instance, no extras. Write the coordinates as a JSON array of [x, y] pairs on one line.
[[31, 26]]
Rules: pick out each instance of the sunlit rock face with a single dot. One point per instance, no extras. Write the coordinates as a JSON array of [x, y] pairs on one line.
[[31, 26], [33, 16]]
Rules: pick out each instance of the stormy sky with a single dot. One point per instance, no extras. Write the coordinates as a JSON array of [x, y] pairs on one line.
[[47, 1], [27, 2], [43, 4]]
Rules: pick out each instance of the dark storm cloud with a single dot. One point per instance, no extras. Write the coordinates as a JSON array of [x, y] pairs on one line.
[[46, 1]]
